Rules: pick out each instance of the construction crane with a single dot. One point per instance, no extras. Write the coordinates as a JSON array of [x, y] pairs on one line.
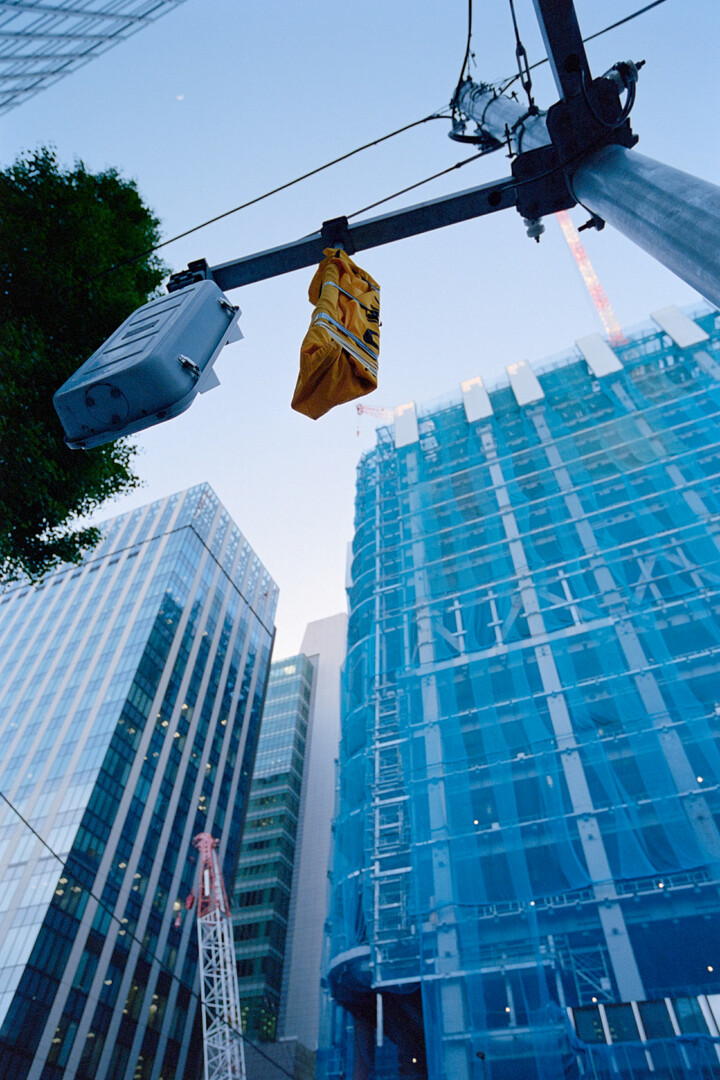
[[222, 1031], [597, 293], [375, 410]]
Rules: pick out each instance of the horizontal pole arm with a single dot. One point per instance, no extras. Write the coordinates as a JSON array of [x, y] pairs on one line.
[[414, 220]]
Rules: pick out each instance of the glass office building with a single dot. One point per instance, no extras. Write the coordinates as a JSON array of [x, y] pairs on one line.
[[280, 901], [130, 697], [261, 903], [324, 643], [41, 42], [527, 847]]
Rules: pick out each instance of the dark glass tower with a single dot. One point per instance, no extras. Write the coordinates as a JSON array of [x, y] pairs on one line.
[[130, 699], [262, 887], [527, 848]]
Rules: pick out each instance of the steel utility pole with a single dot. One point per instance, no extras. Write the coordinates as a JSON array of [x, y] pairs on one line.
[[222, 1038], [672, 215], [579, 152]]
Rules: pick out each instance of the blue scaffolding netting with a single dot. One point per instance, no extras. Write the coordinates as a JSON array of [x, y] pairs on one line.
[[527, 844]]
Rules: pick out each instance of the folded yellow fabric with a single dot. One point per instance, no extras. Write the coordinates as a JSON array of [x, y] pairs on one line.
[[339, 354]]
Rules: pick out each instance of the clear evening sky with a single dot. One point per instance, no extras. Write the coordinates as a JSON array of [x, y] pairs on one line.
[[222, 99]]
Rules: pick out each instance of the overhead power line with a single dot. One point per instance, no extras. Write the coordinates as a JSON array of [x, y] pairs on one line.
[[134, 937], [411, 187], [438, 115], [628, 18]]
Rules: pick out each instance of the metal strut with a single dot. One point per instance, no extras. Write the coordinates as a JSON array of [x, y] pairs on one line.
[[373, 232]]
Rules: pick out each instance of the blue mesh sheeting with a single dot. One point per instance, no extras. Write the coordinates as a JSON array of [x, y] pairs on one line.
[[532, 698]]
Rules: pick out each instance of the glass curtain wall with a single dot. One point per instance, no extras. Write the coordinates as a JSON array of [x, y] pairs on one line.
[[131, 689], [42, 42], [262, 887]]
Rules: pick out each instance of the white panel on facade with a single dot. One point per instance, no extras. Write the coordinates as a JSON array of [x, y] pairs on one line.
[[476, 400], [406, 425], [598, 354], [348, 566], [683, 330], [524, 383]]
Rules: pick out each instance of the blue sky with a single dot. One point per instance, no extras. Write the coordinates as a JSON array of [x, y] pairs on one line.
[[221, 100]]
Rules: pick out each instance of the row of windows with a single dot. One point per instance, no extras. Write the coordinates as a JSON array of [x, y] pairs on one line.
[[657, 1020]]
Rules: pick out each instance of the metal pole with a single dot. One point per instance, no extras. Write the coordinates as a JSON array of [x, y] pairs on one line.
[[503, 117], [672, 215]]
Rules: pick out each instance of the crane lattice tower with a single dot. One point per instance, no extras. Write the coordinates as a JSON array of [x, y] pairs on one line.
[[222, 1032], [592, 282]]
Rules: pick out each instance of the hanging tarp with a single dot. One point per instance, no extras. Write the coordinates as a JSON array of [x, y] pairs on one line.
[[339, 355]]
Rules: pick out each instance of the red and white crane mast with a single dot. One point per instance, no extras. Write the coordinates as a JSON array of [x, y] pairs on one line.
[[222, 1038], [592, 282]]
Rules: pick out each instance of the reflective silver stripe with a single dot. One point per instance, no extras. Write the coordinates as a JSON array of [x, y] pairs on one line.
[[365, 358], [323, 317], [369, 365], [350, 295]]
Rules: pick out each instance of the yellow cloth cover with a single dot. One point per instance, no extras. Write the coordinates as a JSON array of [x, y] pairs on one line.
[[339, 355]]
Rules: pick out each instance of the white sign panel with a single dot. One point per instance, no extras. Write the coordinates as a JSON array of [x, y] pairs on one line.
[[406, 426]]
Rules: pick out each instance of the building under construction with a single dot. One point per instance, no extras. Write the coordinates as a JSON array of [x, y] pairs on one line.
[[532, 697]]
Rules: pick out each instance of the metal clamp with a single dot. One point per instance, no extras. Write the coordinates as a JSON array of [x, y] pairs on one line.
[[198, 270], [335, 233], [225, 304], [191, 366]]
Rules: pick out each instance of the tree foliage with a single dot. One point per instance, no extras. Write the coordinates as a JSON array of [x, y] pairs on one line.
[[74, 264]]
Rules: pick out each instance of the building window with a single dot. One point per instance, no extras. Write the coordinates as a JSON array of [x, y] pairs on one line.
[[656, 1020], [621, 1023], [589, 1025]]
